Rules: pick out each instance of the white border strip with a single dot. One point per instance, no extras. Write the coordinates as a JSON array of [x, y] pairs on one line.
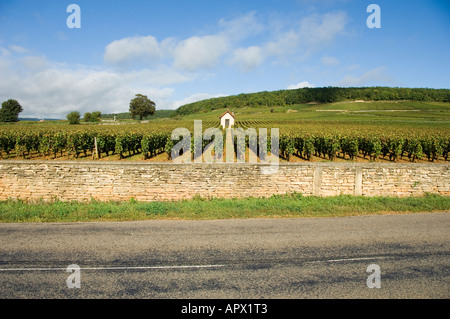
[[348, 259], [181, 266]]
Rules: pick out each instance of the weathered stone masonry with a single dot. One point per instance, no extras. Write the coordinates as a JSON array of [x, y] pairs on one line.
[[48, 180]]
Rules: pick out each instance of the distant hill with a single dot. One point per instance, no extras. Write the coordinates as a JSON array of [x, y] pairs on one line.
[[315, 95]]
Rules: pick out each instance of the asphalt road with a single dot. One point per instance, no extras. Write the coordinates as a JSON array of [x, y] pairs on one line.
[[242, 259]]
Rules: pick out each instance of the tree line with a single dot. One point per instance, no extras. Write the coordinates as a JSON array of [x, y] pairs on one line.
[[141, 107], [317, 95]]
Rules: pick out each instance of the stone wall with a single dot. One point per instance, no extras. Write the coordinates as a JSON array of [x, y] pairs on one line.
[[48, 180]]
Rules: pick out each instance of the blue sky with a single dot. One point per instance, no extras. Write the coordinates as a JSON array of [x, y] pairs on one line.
[[177, 52]]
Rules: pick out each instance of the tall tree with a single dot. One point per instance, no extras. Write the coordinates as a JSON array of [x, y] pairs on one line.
[[141, 106], [10, 111], [74, 117], [92, 117], [87, 117]]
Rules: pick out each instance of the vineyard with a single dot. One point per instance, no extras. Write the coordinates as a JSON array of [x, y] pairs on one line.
[[297, 142]]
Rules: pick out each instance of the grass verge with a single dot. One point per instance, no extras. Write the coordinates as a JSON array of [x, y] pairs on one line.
[[286, 206]]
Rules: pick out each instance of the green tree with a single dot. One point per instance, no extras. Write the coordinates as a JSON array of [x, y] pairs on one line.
[[10, 111], [87, 117], [92, 117], [74, 117], [96, 116], [141, 106]]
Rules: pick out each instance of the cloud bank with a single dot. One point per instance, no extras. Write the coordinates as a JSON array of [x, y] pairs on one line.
[[159, 67]]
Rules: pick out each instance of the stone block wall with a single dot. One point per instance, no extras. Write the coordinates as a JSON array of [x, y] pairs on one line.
[[49, 180]]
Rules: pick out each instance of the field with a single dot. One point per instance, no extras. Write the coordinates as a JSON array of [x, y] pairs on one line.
[[397, 131], [343, 131], [287, 206]]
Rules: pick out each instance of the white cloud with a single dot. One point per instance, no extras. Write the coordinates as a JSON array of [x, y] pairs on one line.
[[304, 84], [242, 27], [17, 49], [187, 55], [196, 53], [144, 49], [155, 77], [61, 36], [319, 30], [285, 44], [312, 34], [329, 60], [34, 63], [143, 64], [47, 89], [374, 76], [247, 59], [352, 67], [4, 52], [199, 52]]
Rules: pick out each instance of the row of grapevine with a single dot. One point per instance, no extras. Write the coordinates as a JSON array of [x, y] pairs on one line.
[[54, 143], [241, 143], [75, 143], [200, 144], [372, 147], [153, 143]]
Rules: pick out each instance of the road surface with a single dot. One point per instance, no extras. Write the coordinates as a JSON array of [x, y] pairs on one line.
[[232, 259]]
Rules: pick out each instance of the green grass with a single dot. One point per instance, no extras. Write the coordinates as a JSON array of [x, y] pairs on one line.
[[410, 114], [278, 206]]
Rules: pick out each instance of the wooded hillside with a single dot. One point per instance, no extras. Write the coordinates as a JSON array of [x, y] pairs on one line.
[[318, 95]]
